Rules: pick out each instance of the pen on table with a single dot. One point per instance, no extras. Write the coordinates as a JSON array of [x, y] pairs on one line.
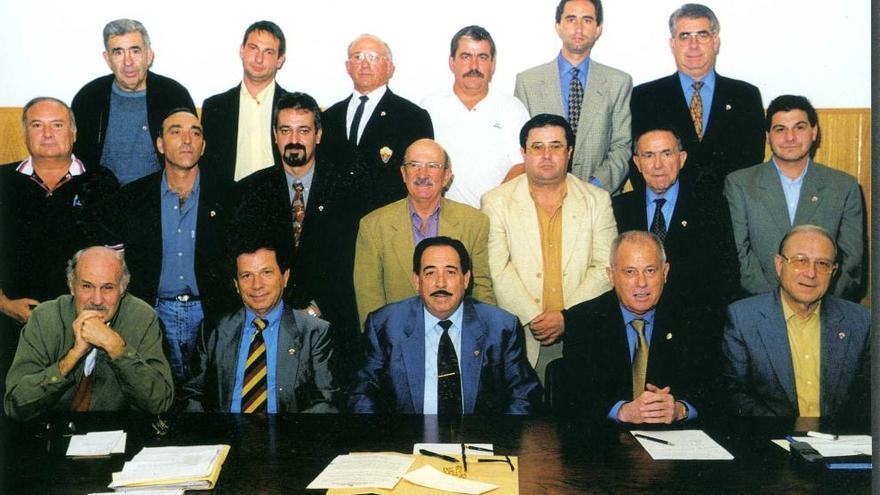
[[463, 457], [478, 449], [653, 439], [824, 436], [439, 456]]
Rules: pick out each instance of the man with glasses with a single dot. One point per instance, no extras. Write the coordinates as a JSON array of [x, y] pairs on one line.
[[388, 236], [549, 238], [799, 351], [718, 118], [790, 189]]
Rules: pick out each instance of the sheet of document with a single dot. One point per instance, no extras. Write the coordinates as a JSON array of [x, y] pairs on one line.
[[432, 478], [141, 491], [454, 448], [782, 443], [844, 445], [154, 463], [97, 443], [363, 470], [684, 445]]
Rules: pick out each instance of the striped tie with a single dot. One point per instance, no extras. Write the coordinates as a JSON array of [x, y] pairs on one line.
[[253, 390]]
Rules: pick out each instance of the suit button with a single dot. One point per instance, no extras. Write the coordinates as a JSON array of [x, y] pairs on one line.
[[538, 275]]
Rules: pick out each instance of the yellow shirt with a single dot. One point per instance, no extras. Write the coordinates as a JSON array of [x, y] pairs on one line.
[[254, 148], [804, 341], [550, 226]]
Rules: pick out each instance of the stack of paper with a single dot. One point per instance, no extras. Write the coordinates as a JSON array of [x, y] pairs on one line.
[[191, 468], [364, 470], [844, 445], [97, 443]]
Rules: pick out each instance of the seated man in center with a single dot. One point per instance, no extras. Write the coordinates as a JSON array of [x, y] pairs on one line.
[[439, 353]]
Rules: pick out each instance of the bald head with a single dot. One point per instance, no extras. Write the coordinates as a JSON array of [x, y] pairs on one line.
[[369, 63], [97, 277]]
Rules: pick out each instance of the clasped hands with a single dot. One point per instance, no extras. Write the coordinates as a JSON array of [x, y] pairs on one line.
[[548, 327], [654, 405], [89, 330]]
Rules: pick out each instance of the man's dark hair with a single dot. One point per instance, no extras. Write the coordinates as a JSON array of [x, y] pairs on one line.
[[546, 120], [787, 103], [251, 242], [475, 33], [463, 255], [172, 112], [596, 3], [297, 101], [271, 28], [655, 128]]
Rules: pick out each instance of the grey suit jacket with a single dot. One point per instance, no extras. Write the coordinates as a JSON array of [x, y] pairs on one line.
[[829, 198], [603, 145], [758, 372], [303, 380]]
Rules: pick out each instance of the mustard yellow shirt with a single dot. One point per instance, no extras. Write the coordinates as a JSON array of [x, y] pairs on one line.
[[550, 226], [805, 343], [254, 148]]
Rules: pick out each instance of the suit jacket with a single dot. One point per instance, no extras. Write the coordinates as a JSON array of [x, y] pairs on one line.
[[495, 377], [733, 138], [91, 107], [758, 371], [598, 364], [384, 252], [829, 198], [220, 124], [394, 124], [515, 255], [603, 145], [303, 380]]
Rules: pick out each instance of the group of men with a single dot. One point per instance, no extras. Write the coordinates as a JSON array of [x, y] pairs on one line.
[[273, 257]]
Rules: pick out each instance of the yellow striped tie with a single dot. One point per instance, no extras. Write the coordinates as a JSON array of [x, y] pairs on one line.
[[253, 390]]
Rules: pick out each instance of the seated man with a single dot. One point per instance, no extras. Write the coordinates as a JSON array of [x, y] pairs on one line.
[[97, 349], [799, 351], [439, 353], [625, 356], [265, 357]]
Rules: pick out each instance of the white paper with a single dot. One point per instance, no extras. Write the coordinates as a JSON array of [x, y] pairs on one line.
[[97, 443], [686, 445], [454, 448], [141, 491], [363, 470], [845, 445], [432, 478], [783, 444], [158, 463]]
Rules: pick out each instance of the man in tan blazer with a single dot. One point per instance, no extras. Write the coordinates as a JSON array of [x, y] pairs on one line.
[[549, 238], [388, 236]]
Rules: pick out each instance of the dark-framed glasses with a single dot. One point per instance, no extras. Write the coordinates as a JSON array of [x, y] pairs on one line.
[[800, 263]]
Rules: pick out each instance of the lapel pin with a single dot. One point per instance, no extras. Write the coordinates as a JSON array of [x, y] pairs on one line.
[[320, 207], [684, 223], [291, 351], [213, 213], [669, 336], [841, 335], [728, 106], [382, 113], [477, 353], [814, 199], [385, 154]]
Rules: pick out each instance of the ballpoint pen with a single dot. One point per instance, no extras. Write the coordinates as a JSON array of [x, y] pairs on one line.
[[478, 449], [463, 457], [653, 439], [439, 456]]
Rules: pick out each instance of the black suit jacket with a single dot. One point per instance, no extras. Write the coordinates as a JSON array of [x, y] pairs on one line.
[[220, 124], [395, 124], [733, 139]]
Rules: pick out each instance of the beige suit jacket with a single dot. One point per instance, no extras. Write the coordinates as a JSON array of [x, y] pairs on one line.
[[515, 259], [383, 254]]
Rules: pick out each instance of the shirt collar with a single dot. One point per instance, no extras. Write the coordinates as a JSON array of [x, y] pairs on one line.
[[76, 167], [565, 66], [788, 313], [164, 189], [670, 195], [784, 177], [374, 95], [456, 317], [262, 96], [708, 80], [412, 209], [272, 317], [629, 316]]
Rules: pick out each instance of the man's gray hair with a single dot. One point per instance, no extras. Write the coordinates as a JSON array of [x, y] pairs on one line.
[[694, 10], [121, 27], [637, 237], [40, 99], [808, 228], [119, 254], [375, 38]]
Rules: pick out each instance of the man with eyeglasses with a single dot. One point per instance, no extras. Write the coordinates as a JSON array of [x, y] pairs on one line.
[[717, 118], [799, 351], [388, 236], [790, 189], [368, 132], [549, 238]]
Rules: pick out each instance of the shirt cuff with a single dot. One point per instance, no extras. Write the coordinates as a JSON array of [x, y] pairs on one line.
[[692, 411], [612, 414], [594, 181]]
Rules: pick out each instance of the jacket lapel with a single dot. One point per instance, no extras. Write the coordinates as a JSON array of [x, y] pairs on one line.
[[773, 197], [593, 98], [550, 85], [375, 127], [227, 349], [402, 240], [413, 350], [473, 335], [811, 196], [774, 336], [573, 215], [287, 360], [524, 208], [834, 346]]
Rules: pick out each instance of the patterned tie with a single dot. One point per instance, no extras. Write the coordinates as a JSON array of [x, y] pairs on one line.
[[356, 122], [697, 108], [658, 225], [82, 398], [253, 389], [298, 207], [640, 359], [448, 381], [575, 98]]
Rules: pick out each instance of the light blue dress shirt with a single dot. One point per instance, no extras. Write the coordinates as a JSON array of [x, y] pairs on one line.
[[565, 76], [707, 93], [306, 182], [178, 275], [792, 189], [671, 197], [270, 336], [433, 332]]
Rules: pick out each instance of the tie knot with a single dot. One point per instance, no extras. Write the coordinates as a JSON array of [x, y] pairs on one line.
[[260, 324], [444, 324], [575, 72], [697, 85], [365, 98], [298, 187], [638, 325], [660, 202]]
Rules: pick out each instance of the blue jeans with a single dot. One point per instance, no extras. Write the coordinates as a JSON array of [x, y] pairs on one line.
[[181, 321]]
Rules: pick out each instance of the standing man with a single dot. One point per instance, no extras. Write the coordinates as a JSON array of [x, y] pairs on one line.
[[373, 127], [718, 119], [549, 234], [768, 199], [172, 226], [476, 126], [238, 123], [594, 98], [120, 115]]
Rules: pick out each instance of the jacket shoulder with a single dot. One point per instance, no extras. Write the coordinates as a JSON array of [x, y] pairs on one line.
[[736, 85], [219, 99], [610, 73], [387, 213], [833, 174], [93, 88], [165, 82], [752, 304], [661, 85], [537, 71]]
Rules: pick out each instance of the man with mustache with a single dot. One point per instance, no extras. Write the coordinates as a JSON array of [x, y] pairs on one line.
[[441, 353], [97, 349], [387, 236], [476, 126]]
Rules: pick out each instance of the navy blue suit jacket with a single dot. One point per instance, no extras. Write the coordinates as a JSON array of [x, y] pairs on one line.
[[496, 376]]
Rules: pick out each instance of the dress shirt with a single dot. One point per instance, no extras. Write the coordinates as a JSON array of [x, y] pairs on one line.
[[369, 106], [178, 275], [306, 181], [804, 340], [791, 188], [431, 225], [483, 142], [565, 76], [270, 337], [254, 149], [707, 92], [433, 332], [550, 228], [671, 196]]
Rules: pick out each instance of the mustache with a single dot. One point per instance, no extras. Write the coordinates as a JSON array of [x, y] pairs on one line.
[[97, 307], [423, 181], [441, 292], [474, 73], [294, 146]]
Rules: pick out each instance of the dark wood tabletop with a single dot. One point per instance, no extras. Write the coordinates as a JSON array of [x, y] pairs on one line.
[[282, 454]]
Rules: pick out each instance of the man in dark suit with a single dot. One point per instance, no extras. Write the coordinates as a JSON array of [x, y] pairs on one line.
[[799, 351], [265, 357], [238, 122], [627, 359], [438, 353], [720, 123], [373, 127]]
